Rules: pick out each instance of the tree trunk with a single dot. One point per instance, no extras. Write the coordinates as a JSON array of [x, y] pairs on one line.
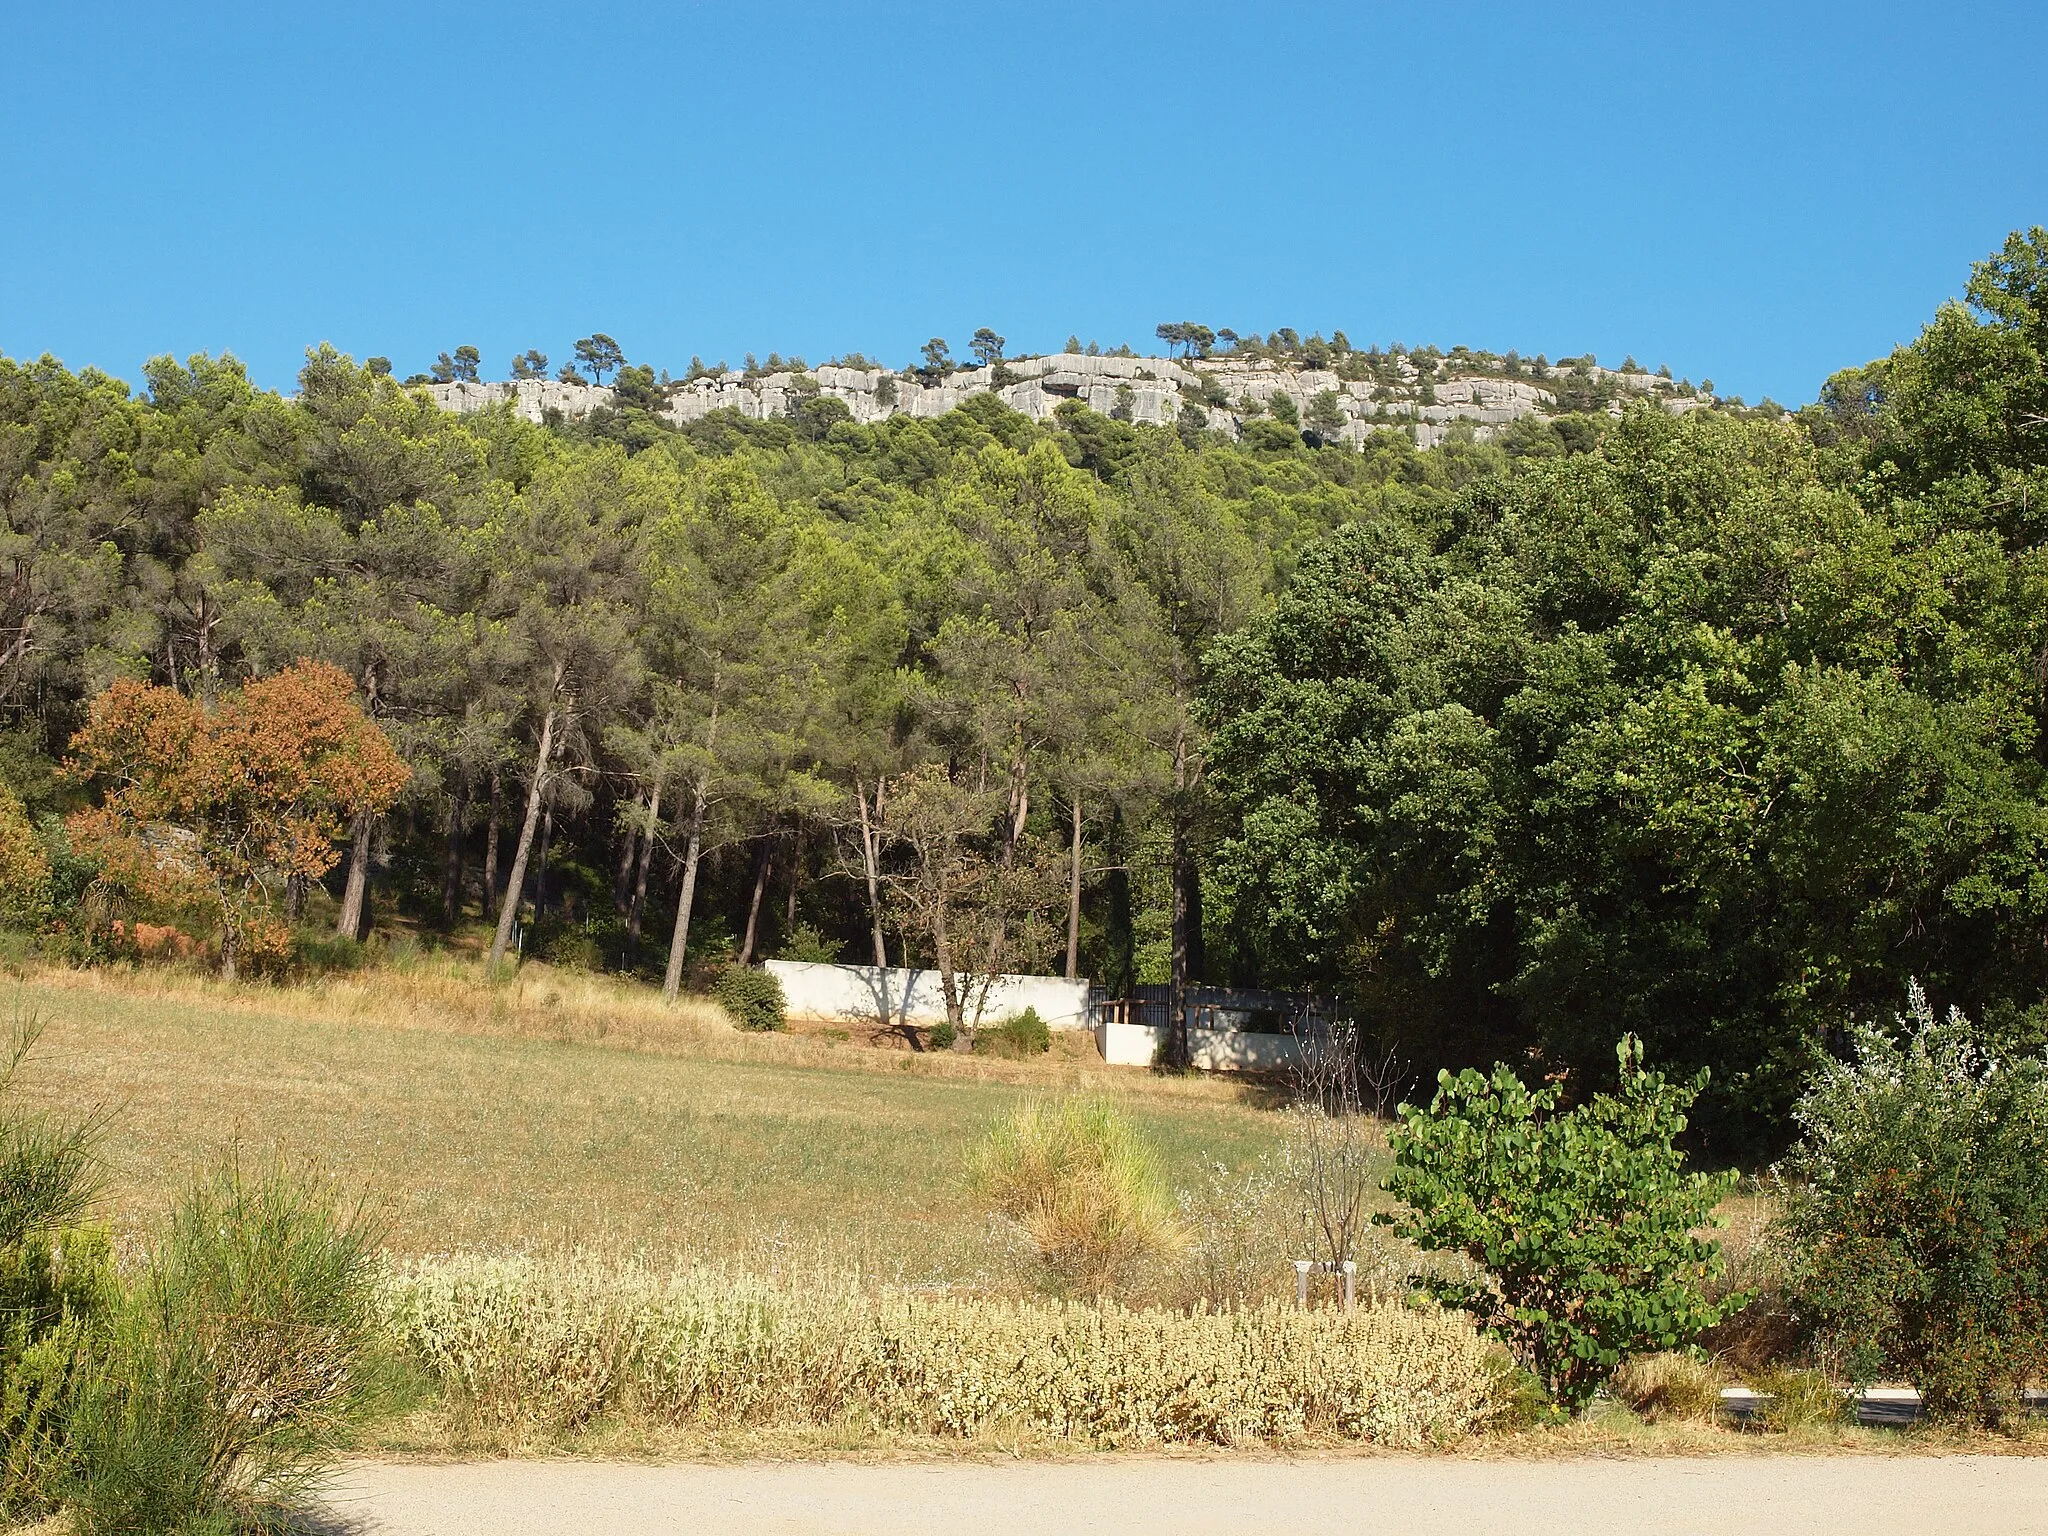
[[353, 921], [491, 849], [762, 865], [294, 896], [796, 880], [540, 863], [679, 941], [508, 909], [639, 904], [1177, 1055], [1074, 900], [949, 981], [451, 870], [870, 863], [622, 882]]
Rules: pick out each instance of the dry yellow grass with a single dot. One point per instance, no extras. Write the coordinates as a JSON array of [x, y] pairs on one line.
[[561, 1109]]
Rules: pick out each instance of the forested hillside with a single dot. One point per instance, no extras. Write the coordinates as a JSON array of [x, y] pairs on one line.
[[1714, 726]]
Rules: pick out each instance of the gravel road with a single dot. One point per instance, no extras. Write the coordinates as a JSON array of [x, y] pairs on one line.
[[1717, 1496]]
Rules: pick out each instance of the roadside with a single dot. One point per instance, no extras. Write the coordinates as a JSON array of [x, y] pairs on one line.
[[1416, 1496]]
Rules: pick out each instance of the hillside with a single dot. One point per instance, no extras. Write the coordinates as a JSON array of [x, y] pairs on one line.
[[1421, 393]]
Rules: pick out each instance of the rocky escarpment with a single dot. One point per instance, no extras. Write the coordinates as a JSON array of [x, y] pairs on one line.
[[1223, 392]]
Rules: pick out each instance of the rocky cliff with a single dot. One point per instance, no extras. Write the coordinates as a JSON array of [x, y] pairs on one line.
[[1226, 391]]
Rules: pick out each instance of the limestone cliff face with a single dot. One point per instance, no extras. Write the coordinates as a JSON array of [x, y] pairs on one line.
[[1159, 390]]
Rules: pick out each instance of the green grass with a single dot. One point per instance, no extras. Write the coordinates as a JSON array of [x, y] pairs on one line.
[[558, 1113]]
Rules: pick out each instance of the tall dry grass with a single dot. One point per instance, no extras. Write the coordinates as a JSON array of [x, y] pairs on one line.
[[1084, 1185], [528, 1349]]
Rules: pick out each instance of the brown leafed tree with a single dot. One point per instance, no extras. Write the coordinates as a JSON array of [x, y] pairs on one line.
[[217, 807]]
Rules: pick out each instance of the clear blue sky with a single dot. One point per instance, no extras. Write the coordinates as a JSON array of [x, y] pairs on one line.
[[1753, 193]]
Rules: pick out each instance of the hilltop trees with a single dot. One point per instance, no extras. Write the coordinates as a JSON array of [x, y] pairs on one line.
[[1193, 340], [600, 355]]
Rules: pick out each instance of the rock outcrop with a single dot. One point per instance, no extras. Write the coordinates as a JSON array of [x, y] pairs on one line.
[[1156, 391]]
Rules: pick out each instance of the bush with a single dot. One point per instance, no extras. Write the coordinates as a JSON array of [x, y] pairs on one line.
[[236, 1367], [753, 998], [523, 1345], [24, 868], [941, 1036], [1915, 1230], [805, 943], [1079, 1180], [1580, 1221], [1025, 1034], [56, 1287]]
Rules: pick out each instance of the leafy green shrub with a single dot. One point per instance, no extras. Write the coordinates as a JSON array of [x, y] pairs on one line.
[[522, 1344], [1915, 1229], [1580, 1221], [24, 868], [325, 951], [236, 1367], [1077, 1177], [941, 1036], [806, 944], [753, 998], [1024, 1034], [56, 1287]]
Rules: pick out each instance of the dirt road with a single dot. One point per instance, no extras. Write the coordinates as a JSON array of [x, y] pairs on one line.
[[1719, 1496]]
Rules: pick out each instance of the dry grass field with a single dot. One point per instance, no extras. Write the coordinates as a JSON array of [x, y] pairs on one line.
[[563, 1109]]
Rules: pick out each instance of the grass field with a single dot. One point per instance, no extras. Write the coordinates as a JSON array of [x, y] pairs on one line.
[[563, 1109]]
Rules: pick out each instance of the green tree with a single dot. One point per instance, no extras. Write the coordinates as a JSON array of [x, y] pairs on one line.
[[719, 631], [599, 355], [1326, 416], [987, 347], [1186, 571], [1579, 1222], [938, 362], [530, 364]]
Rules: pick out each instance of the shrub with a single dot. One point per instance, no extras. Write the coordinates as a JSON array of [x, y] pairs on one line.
[[1076, 1176], [236, 1366], [525, 1345], [1024, 1034], [753, 998], [24, 868], [1800, 1400], [1915, 1229], [1670, 1386], [56, 1286], [806, 943], [941, 1036], [1580, 1221]]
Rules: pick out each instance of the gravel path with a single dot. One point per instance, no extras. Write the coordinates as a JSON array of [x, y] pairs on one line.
[[1717, 1496]]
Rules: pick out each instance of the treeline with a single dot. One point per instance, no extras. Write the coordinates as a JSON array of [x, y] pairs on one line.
[[926, 690], [1713, 729]]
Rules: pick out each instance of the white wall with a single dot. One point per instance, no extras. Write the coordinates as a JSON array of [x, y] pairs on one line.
[[865, 994], [1213, 1050]]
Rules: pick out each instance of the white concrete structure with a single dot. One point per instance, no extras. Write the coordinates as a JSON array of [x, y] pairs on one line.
[[1212, 1050], [894, 997]]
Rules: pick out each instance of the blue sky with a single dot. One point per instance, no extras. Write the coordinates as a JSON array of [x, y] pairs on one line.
[[1753, 193]]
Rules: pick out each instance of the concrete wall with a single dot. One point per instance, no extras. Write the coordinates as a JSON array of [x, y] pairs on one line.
[[865, 994], [1213, 1050]]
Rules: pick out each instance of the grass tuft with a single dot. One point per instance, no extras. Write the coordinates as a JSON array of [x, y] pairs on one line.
[[1076, 1176]]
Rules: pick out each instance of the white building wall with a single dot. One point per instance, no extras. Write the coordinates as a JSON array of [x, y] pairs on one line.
[[1213, 1050], [867, 994]]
